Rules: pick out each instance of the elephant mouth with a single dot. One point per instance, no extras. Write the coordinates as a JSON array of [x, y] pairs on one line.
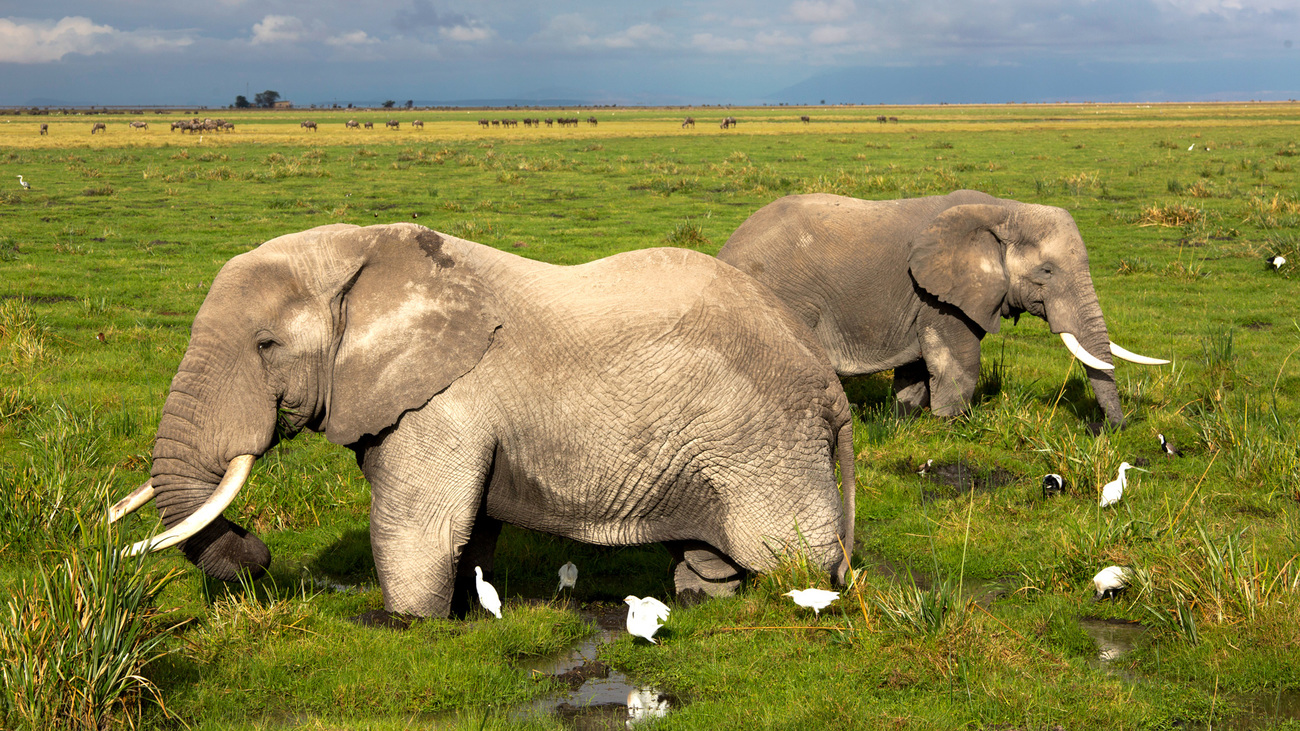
[[236, 474]]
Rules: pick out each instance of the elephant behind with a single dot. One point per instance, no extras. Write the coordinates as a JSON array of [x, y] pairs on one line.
[[653, 396], [915, 284]]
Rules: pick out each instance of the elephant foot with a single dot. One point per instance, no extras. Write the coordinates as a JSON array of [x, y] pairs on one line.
[[693, 588], [699, 569], [911, 389]]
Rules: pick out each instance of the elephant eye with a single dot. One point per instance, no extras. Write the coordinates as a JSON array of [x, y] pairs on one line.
[[265, 345]]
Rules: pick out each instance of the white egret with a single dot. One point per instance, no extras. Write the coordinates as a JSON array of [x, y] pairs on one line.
[[1114, 490], [645, 616], [1110, 581], [568, 576], [487, 594], [1052, 484], [26, 185], [1168, 446], [643, 703], [814, 599], [1276, 261], [1191, 147]]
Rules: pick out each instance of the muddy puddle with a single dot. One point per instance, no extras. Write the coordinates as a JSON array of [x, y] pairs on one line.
[[598, 697], [981, 591], [1116, 638]]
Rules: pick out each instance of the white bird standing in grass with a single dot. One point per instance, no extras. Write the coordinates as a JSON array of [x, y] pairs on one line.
[[814, 599], [1110, 581], [1114, 490], [1052, 484], [568, 577], [645, 616], [26, 185], [487, 594], [1276, 261]]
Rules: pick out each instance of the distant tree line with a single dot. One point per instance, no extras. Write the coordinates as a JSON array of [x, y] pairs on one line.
[[263, 99]]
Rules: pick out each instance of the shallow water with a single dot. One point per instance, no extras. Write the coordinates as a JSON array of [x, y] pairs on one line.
[[599, 696], [1116, 638]]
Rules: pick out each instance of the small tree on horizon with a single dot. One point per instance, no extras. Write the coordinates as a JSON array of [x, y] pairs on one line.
[[389, 104], [266, 99], [241, 102]]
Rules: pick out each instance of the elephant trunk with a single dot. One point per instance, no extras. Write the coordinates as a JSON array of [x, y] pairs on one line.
[[1092, 336], [191, 459]]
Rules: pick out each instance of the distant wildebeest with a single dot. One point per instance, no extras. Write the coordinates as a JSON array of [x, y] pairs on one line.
[[369, 125], [882, 119], [138, 125], [308, 124], [45, 128], [496, 123], [228, 126], [484, 123], [805, 119], [98, 126], [728, 122], [393, 124], [893, 119], [352, 124], [550, 122], [591, 121], [690, 122], [417, 123]]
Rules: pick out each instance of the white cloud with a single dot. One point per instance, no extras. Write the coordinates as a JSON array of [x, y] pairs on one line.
[[355, 38], [710, 43], [821, 11], [777, 38], [466, 33], [36, 41], [638, 36], [831, 35], [279, 29]]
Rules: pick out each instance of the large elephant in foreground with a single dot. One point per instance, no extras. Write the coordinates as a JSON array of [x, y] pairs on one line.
[[915, 284], [653, 396]]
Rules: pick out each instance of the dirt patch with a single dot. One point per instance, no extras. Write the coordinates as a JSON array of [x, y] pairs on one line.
[[943, 480], [384, 618]]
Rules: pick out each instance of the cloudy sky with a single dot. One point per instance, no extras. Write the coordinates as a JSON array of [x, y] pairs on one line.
[[123, 52]]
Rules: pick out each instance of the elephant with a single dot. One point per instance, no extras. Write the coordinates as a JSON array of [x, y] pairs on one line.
[[657, 395], [915, 284]]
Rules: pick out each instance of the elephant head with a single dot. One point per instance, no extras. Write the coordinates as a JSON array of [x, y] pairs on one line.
[[1003, 258], [338, 329]]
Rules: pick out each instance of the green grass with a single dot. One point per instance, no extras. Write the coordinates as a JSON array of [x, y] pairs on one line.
[[105, 261]]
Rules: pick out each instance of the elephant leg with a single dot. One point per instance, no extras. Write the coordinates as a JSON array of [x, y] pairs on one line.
[[952, 357], [479, 550], [424, 508], [700, 571], [911, 388]]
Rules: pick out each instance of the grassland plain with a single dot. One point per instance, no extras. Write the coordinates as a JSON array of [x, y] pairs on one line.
[[105, 260]]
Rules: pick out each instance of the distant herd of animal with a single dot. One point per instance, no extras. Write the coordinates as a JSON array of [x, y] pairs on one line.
[[221, 125]]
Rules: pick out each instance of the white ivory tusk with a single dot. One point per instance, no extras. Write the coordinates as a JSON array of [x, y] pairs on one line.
[[132, 502], [220, 499], [1088, 359], [1132, 357]]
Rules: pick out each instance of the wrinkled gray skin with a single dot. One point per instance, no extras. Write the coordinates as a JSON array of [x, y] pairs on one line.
[[654, 396], [915, 284]]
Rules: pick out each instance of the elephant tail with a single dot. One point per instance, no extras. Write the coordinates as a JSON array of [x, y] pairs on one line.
[[849, 487]]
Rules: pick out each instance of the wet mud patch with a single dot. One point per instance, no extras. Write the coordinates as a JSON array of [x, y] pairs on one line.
[[598, 696], [945, 480]]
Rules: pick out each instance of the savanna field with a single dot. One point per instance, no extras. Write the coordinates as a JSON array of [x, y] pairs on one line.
[[971, 604]]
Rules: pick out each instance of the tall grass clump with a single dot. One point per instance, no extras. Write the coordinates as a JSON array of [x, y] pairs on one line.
[[910, 609], [688, 235], [74, 641]]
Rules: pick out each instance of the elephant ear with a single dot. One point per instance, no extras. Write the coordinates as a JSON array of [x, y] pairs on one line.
[[960, 258], [415, 317]]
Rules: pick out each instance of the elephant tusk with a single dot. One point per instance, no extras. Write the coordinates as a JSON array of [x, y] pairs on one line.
[[1132, 357], [1088, 359], [132, 502], [219, 500]]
